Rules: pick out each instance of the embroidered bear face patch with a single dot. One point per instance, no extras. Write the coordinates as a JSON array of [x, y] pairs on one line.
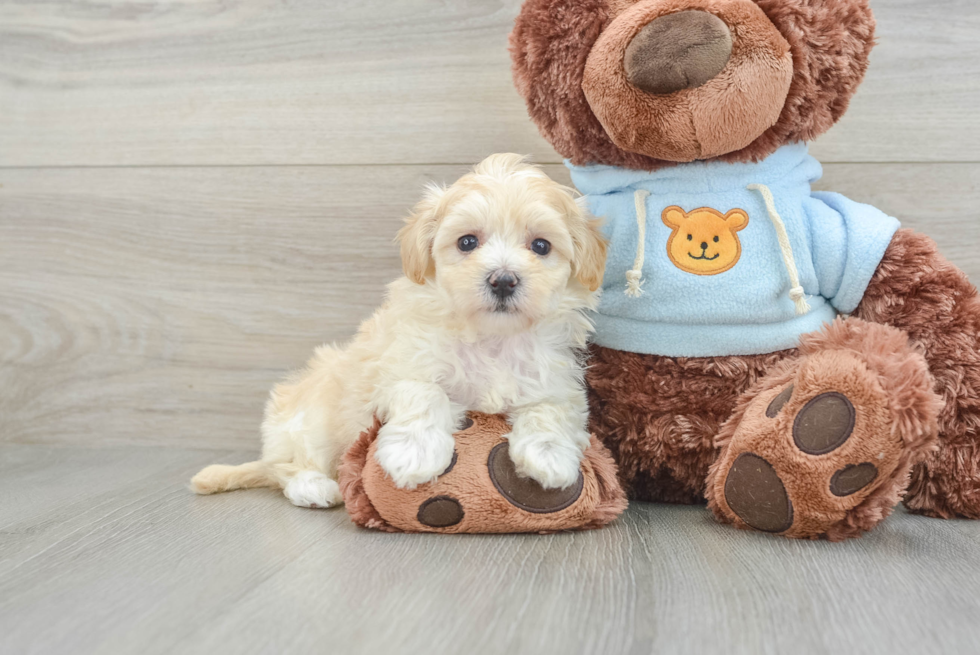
[[704, 241]]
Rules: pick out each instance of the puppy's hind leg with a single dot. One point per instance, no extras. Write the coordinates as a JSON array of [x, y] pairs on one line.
[[309, 488], [298, 452], [303, 487]]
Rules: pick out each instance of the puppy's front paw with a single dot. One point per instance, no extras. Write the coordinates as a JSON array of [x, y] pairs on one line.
[[414, 453], [552, 461]]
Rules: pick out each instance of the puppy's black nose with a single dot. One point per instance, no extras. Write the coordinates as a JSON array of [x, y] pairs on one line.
[[503, 283], [704, 245]]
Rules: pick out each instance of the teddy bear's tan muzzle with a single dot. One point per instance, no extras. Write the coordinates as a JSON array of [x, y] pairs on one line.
[[681, 80]]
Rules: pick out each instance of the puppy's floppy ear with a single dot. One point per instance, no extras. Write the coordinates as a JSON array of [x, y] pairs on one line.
[[589, 258], [418, 234]]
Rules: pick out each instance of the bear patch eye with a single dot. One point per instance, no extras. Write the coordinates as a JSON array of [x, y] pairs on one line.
[[689, 237], [716, 239], [467, 243], [540, 247]]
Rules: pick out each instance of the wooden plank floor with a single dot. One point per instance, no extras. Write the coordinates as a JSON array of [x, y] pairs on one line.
[[193, 195], [104, 551]]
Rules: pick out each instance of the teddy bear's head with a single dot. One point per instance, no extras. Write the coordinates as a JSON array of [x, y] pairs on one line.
[[646, 83]]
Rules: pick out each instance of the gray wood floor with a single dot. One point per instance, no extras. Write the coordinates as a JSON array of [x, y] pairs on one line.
[[195, 194], [105, 551]]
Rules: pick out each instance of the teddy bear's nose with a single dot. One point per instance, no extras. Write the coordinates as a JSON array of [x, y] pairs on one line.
[[704, 245], [678, 51]]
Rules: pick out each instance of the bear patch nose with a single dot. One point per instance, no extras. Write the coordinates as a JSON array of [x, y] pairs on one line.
[[704, 245], [678, 51]]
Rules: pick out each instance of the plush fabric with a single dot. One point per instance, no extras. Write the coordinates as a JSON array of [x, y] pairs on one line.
[[724, 113], [919, 291], [744, 309], [889, 385], [473, 495], [825, 428], [678, 51], [659, 415], [829, 41]]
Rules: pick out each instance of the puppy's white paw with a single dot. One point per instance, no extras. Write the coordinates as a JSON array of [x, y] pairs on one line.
[[414, 453], [312, 489], [552, 461]]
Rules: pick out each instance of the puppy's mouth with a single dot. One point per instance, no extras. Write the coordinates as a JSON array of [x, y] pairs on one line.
[[504, 307]]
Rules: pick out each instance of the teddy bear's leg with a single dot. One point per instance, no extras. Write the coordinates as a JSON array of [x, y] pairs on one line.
[[659, 415], [916, 289], [824, 444]]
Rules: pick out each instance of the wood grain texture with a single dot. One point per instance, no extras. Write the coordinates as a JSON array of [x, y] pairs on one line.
[[104, 551], [415, 81], [158, 306]]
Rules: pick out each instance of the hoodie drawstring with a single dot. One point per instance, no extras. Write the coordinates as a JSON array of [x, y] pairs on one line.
[[633, 276], [796, 292]]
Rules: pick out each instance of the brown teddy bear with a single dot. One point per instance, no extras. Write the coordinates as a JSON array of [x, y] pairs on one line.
[[792, 357]]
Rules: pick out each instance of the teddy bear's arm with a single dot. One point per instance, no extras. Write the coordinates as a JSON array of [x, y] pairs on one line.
[[918, 290], [849, 239]]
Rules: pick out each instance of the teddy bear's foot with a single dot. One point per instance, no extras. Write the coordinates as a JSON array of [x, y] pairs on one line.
[[481, 491], [823, 446]]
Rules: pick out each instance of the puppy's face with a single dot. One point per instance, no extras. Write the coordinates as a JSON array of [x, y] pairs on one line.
[[505, 244]]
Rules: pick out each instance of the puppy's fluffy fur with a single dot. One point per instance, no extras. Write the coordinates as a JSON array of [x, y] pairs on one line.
[[444, 342]]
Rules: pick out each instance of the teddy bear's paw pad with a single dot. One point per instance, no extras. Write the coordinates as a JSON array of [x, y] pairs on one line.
[[824, 424], [440, 511], [452, 463], [755, 493], [525, 493], [772, 411], [852, 479]]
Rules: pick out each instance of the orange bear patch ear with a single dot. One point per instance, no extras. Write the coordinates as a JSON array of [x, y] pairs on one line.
[[673, 217], [736, 219]]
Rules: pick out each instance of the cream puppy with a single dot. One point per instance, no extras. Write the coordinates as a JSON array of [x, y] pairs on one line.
[[500, 269]]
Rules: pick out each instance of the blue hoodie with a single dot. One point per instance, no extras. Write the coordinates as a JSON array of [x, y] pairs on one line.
[[712, 278]]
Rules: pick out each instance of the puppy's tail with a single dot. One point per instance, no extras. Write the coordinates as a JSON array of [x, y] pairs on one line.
[[219, 477]]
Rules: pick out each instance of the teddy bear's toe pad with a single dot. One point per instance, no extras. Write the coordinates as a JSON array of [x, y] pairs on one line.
[[755, 493], [526, 493], [440, 512], [853, 478], [824, 424]]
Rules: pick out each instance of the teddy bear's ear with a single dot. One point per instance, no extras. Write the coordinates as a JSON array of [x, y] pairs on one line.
[[549, 45], [673, 217], [736, 219], [830, 41], [417, 236]]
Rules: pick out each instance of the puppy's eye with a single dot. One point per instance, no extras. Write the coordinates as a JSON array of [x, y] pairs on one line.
[[716, 239], [689, 237], [540, 247], [467, 243]]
